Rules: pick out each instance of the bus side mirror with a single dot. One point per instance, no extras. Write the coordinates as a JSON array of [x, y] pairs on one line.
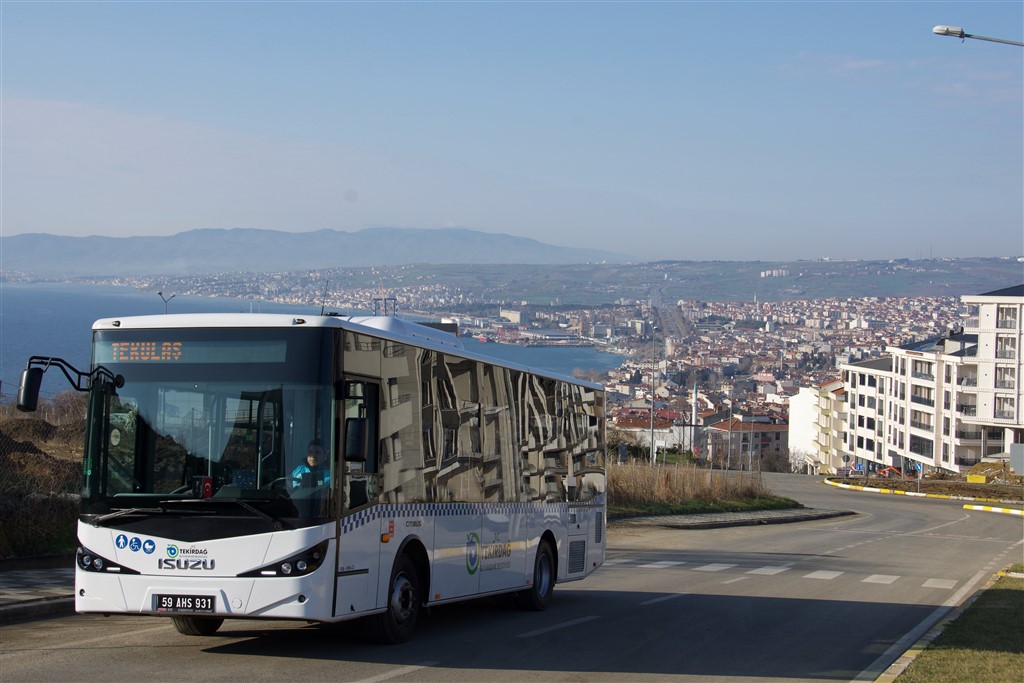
[[355, 439], [28, 389]]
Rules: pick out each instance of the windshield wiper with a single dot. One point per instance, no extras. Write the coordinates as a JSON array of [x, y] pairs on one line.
[[126, 511], [274, 521]]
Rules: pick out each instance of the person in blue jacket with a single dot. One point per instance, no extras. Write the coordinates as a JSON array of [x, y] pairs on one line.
[[312, 465]]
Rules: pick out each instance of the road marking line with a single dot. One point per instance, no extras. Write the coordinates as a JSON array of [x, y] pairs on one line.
[[742, 578], [566, 624], [939, 583], [880, 578], [769, 571], [395, 673], [713, 567], [660, 565], [663, 598], [621, 560], [822, 574]]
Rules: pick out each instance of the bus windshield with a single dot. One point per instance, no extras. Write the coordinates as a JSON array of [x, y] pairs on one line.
[[211, 420]]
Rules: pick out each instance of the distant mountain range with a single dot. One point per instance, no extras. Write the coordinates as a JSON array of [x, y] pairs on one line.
[[198, 252]]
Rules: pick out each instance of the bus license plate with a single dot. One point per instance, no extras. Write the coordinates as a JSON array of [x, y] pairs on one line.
[[185, 603]]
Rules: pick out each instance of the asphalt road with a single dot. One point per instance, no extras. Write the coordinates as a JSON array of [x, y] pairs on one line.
[[836, 599]]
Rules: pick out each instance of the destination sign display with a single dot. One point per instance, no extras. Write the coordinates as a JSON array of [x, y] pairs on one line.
[[190, 351]]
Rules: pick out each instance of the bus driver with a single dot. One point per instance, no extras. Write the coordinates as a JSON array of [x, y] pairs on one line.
[[311, 470]]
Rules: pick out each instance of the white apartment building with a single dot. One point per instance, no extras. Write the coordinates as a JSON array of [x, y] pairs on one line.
[[945, 403]]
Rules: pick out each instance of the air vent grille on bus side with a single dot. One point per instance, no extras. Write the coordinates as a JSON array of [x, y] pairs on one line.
[[577, 556], [598, 527]]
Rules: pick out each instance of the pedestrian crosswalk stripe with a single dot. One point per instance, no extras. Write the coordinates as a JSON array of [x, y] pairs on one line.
[[768, 571], [939, 583], [823, 574], [660, 565], [713, 567], [880, 578]]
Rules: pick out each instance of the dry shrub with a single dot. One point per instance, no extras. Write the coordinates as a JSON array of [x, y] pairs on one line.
[[640, 484]]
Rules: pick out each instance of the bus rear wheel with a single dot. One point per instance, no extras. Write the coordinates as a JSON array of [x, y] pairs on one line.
[[538, 596], [197, 626], [398, 621]]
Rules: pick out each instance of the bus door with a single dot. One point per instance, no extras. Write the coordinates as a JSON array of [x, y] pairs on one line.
[[359, 545]]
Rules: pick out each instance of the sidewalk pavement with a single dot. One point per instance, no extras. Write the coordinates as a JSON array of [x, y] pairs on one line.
[[32, 590]]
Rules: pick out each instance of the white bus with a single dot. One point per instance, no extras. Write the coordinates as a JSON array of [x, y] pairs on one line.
[[444, 475]]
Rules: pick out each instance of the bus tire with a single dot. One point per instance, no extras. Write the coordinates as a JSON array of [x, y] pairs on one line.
[[197, 626], [397, 623], [538, 596]]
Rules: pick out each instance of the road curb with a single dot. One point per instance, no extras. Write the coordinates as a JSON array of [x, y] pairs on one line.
[[35, 609], [989, 508], [941, 496]]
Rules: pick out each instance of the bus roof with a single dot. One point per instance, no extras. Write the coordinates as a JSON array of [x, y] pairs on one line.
[[386, 327]]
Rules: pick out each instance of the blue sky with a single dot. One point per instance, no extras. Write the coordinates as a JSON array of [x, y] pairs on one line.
[[662, 130]]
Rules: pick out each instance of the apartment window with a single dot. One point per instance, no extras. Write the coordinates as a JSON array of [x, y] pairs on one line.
[[920, 420], [1005, 408], [872, 382], [870, 423], [1006, 347], [1006, 318], [945, 452], [871, 401], [922, 370], [945, 426], [1006, 378], [922, 446], [860, 420], [949, 374], [945, 400], [860, 442], [922, 396], [860, 400]]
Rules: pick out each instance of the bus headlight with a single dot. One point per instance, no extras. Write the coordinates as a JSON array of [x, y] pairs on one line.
[[88, 561], [301, 564]]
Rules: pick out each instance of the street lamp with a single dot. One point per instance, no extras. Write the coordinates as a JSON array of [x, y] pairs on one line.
[[166, 299], [957, 32]]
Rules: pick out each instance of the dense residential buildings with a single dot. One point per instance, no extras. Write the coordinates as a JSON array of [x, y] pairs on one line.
[[941, 404]]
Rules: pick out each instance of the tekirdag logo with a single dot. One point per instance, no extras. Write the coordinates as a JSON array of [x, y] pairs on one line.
[[472, 553]]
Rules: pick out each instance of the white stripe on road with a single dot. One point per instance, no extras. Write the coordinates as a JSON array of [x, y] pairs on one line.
[[768, 571], [939, 583], [660, 565], [713, 567], [880, 578], [822, 574], [564, 624], [620, 560], [395, 673], [663, 598]]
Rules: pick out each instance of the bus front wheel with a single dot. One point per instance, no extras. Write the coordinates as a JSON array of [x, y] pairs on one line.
[[538, 596], [197, 626], [397, 622]]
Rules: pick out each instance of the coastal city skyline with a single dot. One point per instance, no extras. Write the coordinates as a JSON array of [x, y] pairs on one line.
[[659, 130]]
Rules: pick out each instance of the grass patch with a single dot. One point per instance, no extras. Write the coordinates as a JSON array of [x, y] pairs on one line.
[[985, 644], [640, 489], [698, 506]]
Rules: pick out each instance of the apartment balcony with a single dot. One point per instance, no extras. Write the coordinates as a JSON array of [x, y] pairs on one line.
[[967, 462], [1007, 324], [968, 382], [1006, 384], [971, 324], [967, 411], [1005, 415], [922, 425], [923, 451], [921, 400], [1006, 354], [968, 438], [923, 375]]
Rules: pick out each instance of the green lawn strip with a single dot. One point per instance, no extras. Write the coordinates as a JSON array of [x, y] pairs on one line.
[[693, 507], [985, 643]]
